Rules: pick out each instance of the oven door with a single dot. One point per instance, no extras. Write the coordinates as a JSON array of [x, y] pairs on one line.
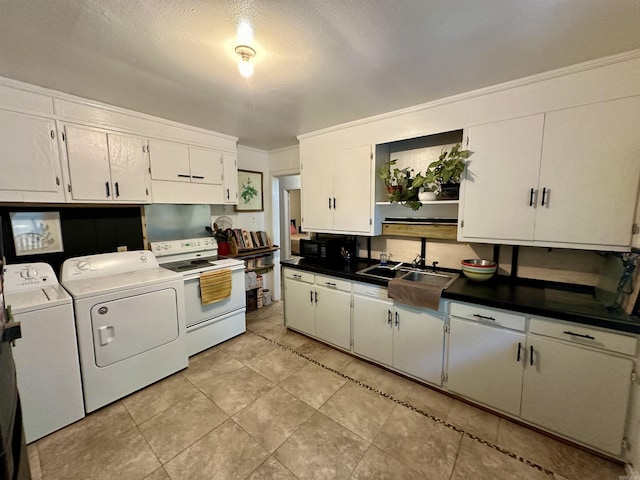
[[198, 313]]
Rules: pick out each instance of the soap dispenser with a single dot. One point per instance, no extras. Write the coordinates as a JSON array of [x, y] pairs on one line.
[[383, 257]]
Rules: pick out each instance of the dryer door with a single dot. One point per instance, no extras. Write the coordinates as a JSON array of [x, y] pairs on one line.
[[128, 326]]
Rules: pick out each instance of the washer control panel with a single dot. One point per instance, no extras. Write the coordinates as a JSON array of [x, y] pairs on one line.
[[107, 264], [27, 276]]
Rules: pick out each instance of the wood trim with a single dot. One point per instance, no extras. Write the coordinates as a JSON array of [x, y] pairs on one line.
[[435, 231]]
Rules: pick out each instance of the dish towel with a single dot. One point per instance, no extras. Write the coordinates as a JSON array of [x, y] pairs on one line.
[[215, 286], [411, 293]]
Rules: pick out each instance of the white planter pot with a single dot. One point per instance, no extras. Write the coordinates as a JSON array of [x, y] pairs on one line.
[[426, 196]]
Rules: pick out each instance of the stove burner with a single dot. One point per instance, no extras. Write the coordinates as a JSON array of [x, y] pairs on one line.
[[190, 264]]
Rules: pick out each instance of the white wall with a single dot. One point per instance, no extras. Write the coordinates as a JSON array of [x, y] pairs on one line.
[[257, 161], [282, 163]]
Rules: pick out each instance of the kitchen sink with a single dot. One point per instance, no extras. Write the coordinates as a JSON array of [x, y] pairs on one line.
[[389, 272], [442, 279], [383, 272]]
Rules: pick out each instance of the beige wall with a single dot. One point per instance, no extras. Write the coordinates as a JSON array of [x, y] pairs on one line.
[[559, 265]]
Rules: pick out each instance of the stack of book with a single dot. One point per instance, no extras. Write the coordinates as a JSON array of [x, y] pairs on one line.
[[249, 240]]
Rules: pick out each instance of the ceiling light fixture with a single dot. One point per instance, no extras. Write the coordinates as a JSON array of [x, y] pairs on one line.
[[244, 64]]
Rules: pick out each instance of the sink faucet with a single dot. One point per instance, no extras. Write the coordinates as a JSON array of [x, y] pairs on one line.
[[433, 266], [416, 261]]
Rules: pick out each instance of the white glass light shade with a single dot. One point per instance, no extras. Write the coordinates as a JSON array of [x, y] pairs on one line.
[[245, 67]]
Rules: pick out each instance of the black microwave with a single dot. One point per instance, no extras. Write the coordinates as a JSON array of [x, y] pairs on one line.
[[327, 248]]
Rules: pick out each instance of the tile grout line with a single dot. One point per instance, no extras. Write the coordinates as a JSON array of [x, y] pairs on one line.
[[411, 407]]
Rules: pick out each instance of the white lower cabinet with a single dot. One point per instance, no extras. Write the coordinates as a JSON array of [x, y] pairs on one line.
[[577, 391], [418, 342], [299, 308], [333, 315], [373, 328], [408, 339], [570, 379], [485, 364], [319, 306]]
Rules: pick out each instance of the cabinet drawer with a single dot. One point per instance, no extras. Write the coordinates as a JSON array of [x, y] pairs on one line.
[[490, 316], [332, 282], [370, 290], [298, 275], [584, 335]]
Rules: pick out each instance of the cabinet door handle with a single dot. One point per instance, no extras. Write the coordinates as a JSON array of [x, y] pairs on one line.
[[316, 297], [519, 347], [568, 332], [199, 177], [531, 197], [482, 317], [334, 203], [389, 317], [531, 355], [329, 203], [228, 194], [117, 190], [181, 175], [545, 190], [397, 320], [311, 296], [106, 186]]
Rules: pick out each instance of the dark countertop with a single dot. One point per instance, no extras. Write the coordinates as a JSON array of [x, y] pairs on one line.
[[561, 301]]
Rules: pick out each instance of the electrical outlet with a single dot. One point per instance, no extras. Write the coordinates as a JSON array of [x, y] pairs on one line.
[[122, 248]]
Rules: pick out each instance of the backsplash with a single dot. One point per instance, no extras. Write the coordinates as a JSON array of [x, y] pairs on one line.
[[85, 231], [558, 265]]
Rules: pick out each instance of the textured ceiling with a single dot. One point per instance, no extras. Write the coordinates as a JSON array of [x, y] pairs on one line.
[[319, 63]]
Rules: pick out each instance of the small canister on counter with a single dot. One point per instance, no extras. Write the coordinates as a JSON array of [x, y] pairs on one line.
[[259, 297], [267, 297]]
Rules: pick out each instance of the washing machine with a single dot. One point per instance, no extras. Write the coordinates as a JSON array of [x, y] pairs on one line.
[[130, 318], [46, 356]]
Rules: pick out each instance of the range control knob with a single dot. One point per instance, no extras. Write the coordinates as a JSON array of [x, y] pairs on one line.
[[29, 273], [143, 258], [84, 265]]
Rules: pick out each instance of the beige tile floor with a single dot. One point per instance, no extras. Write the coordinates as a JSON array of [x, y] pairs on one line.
[[252, 408]]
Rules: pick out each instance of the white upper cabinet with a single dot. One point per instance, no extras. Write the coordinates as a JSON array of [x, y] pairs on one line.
[[206, 166], [129, 161], [169, 161], [106, 167], [29, 159], [501, 179], [187, 174], [337, 191], [568, 178], [589, 174], [230, 178]]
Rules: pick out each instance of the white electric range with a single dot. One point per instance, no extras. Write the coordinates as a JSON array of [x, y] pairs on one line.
[[207, 325]]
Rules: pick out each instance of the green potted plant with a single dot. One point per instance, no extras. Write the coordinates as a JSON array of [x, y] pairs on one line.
[[395, 179], [448, 169], [404, 188]]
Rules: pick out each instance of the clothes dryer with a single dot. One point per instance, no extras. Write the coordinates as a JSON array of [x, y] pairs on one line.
[[130, 320], [46, 356]]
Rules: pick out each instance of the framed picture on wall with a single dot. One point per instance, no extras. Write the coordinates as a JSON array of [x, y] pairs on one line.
[[250, 193], [36, 232]]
